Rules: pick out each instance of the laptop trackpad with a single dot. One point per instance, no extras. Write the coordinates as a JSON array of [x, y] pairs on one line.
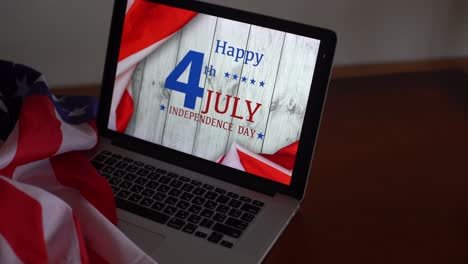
[[147, 240]]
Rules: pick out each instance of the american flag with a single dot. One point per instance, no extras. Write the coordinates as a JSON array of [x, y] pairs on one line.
[[54, 206]]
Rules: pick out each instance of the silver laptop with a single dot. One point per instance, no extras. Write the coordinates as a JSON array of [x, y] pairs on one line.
[[208, 121]]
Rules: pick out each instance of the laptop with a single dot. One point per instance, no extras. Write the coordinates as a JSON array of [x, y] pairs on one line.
[[208, 121]]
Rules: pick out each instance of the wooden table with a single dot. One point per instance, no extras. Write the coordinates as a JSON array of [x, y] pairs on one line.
[[389, 182]]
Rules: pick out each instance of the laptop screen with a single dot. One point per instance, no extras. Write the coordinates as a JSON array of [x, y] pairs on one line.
[[218, 89]]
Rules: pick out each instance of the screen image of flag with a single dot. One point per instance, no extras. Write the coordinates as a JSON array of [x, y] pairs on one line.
[[207, 86]]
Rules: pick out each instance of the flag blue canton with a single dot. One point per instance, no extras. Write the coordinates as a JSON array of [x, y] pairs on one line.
[[76, 109], [18, 81]]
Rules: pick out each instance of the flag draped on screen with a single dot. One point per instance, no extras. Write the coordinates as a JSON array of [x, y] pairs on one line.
[[54, 207], [147, 26]]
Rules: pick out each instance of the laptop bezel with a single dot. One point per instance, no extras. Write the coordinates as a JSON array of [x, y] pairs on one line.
[[312, 115]]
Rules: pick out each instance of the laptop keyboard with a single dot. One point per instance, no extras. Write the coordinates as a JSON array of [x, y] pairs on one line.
[[182, 203]]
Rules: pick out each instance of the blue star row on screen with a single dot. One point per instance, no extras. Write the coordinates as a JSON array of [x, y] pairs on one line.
[[236, 77]]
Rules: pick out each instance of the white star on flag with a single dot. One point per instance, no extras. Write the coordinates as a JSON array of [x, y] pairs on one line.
[[78, 111], [22, 87], [56, 99], [3, 106]]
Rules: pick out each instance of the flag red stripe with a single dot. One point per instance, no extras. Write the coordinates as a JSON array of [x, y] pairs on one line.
[[147, 23], [259, 168], [39, 133], [95, 258], [93, 124], [222, 159], [79, 235], [73, 170], [284, 157], [124, 111], [21, 226]]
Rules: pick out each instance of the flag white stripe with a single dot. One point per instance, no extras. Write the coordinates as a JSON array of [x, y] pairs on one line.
[[129, 4], [7, 254], [121, 83], [108, 238], [57, 221], [125, 69], [231, 158], [135, 58]]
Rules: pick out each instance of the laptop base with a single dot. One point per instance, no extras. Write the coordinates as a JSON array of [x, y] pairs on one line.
[[169, 245]]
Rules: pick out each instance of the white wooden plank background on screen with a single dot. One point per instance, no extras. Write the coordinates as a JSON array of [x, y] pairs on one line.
[[210, 142], [135, 89], [291, 92], [149, 123], [268, 42], [179, 133]]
